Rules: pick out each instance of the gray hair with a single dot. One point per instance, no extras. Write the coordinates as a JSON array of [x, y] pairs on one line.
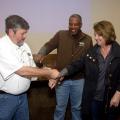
[[14, 22]]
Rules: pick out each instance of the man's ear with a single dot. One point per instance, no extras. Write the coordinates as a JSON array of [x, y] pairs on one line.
[[10, 32]]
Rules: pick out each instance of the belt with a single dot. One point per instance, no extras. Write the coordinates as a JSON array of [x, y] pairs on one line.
[[2, 92]]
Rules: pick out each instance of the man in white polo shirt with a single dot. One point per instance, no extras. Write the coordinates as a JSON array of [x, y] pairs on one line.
[[17, 69]]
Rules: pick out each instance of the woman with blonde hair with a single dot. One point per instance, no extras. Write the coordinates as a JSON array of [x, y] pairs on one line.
[[101, 65]]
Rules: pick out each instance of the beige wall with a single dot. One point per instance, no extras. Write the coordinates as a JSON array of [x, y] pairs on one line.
[[107, 10], [36, 40], [101, 10]]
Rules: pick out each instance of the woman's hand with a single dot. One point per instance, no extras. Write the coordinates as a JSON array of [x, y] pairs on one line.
[[115, 99], [52, 83]]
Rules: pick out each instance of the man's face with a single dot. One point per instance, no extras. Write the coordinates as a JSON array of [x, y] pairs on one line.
[[74, 25], [19, 36]]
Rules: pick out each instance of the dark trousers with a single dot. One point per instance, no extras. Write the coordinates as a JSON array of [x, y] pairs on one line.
[[99, 113], [97, 110]]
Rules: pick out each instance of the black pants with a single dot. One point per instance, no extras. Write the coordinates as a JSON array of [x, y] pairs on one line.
[[98, 112]]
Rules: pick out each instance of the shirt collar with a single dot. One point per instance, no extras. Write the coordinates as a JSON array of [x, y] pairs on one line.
[[11, 43]]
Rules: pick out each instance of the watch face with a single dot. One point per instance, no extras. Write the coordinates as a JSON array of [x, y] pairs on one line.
[[39, 65]]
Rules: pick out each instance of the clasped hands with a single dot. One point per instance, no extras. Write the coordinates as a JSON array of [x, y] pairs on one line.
[[53, 74], [55, 78]]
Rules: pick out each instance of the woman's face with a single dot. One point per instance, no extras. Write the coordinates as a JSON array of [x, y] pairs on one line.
[[100, 40]]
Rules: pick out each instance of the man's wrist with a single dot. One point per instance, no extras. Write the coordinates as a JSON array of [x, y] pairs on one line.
[[42, 51]]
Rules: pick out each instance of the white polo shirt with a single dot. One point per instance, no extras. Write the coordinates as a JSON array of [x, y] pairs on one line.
[[12, 58]]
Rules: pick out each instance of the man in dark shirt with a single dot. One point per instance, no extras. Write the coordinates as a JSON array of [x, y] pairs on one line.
[[70, 45]]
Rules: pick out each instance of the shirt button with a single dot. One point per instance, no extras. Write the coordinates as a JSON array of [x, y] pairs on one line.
[[87, 55], [90, 57], [93, 60], [110, 75]]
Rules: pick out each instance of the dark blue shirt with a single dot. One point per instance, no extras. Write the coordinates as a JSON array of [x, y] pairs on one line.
[[103, 65]]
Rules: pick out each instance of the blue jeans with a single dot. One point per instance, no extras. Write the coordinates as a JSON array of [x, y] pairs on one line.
[[13, 107], [72, 89]]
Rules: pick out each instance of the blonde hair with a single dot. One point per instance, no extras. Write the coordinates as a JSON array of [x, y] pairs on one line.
[[106, 30]]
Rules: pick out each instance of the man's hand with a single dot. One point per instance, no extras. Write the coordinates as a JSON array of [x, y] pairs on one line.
[[38, 58], [54, 74], [56, 79]]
